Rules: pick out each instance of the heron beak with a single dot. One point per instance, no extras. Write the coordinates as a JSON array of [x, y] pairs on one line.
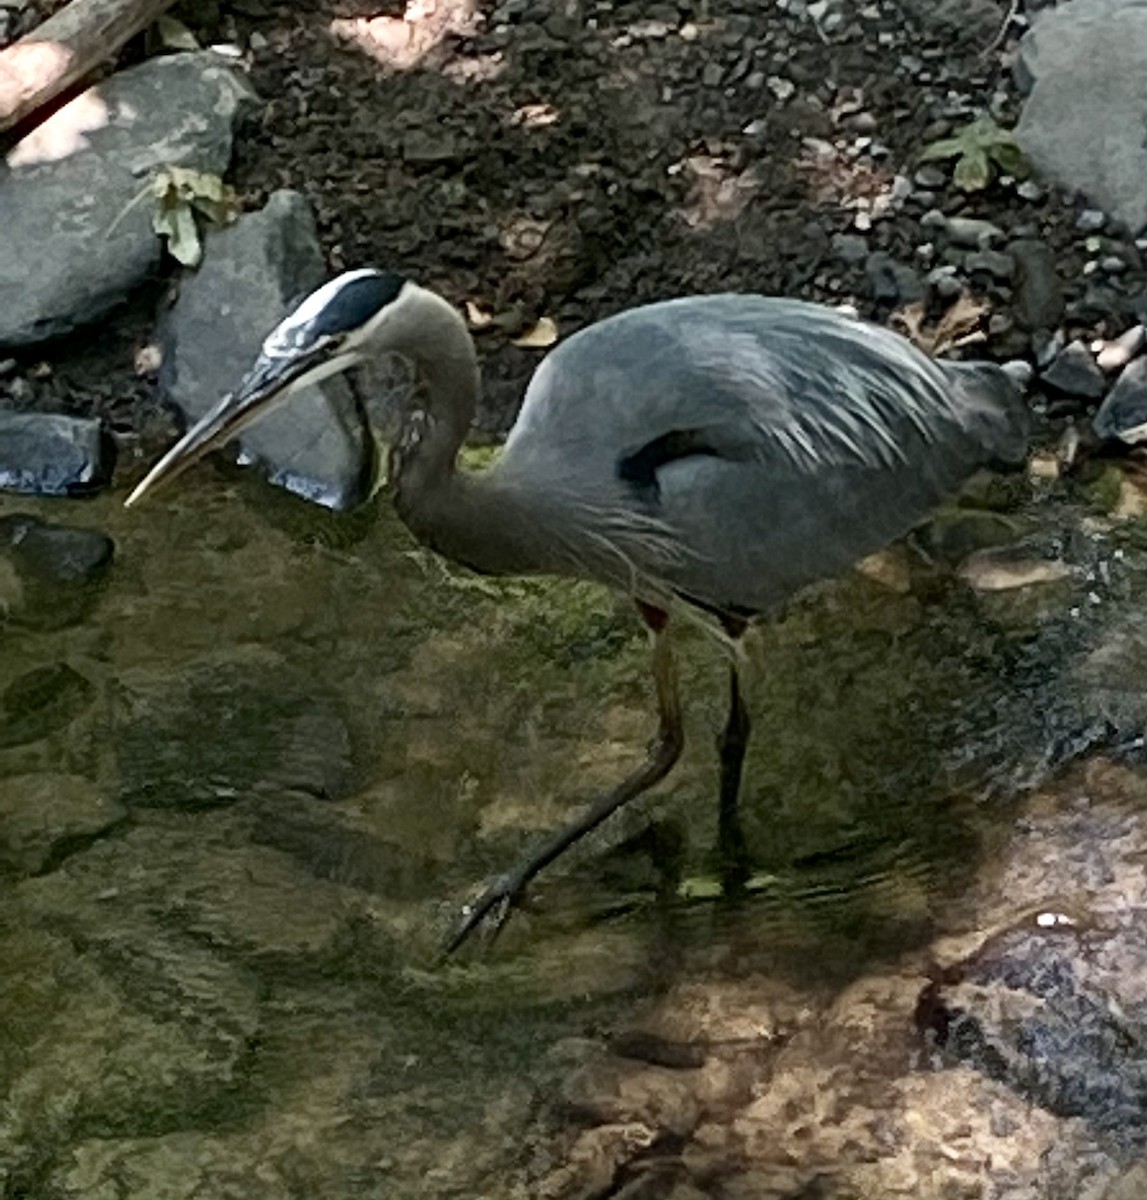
[[267, 381]]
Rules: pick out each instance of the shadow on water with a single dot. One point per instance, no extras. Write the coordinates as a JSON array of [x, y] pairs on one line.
[[244, 796]]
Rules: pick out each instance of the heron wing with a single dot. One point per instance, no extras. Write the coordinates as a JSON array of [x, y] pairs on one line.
[[774, 441]]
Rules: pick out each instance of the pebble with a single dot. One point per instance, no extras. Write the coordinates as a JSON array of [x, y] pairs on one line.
[[1121, 350], [712, 75], [945, 282], [849, 247], [1091, 220], [1112, 264], [1075, 373], [970, 231], [7, 367], [1030, 190], [1046, 344], [783, 89], [891, 280], [930, 177], [1039, 294], [995, 263], [258, 41]]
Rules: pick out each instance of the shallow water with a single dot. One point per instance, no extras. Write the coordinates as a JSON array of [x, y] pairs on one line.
[[283, 746]]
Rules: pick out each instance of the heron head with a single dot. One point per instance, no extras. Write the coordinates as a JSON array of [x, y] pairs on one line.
[[330, 331]]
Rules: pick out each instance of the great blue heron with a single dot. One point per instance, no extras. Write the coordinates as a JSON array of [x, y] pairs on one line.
[[718, 452]]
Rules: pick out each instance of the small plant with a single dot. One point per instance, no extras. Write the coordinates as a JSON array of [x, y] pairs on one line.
[[979, 150], [181, 196]]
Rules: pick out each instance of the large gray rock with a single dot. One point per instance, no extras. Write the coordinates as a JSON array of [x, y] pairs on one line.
[[64, 187], [1084, 126], [48, 455], [317, 445]]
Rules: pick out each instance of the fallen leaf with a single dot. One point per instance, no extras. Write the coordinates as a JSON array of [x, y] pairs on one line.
[[174, 35], [543, 334], [477, 316]]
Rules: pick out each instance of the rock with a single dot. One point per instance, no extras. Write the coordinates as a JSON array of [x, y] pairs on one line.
[[849, 247], [970, 231], [47, 455], [41, 702], [1123, 414], [226, 729], [945, 282], [1002, 568], [1053, 1006], [68, 183], [1030, 191], [930, 178], [1084, 125], [1038, 295], [142, 1029], [890, 280], [57, 570], [1045, 345], [316, 445], [996, 263], [1075, 373], [44, 818], [1121, 350], [1091, 220], [55, 554]]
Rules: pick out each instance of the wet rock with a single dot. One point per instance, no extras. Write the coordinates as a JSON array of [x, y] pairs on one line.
[[56, 570], [1038, 295], [47, 455], [1074, 372], [1083, 124], [74, 243], [224, 730], [1030, 1011], [1123, 414], [333, 845], [612, 1090], [45, 818], [1000, 569], [1121, 350], [53, 553], [317, 445], [142, 1030], [41, 702], [891, 281]]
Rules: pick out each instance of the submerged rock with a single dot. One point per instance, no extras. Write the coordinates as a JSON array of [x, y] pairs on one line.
[[74, 245], [225, 730], [317, 445], [42, 454], [44, 818], [56, 570]]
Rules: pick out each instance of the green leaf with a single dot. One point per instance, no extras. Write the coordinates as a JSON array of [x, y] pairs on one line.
[[176, 222], [944, 148], [973, 171], [1009, 158]]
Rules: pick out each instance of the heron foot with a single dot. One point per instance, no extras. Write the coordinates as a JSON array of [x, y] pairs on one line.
[[489, 911]]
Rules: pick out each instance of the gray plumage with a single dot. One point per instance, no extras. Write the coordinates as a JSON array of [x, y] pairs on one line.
[[723, 451], [788, 441]]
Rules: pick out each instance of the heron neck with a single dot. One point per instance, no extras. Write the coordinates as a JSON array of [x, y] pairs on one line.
[[473, 518]]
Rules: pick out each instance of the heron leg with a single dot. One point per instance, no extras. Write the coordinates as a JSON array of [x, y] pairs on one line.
[[505, 891], [732, 745]]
